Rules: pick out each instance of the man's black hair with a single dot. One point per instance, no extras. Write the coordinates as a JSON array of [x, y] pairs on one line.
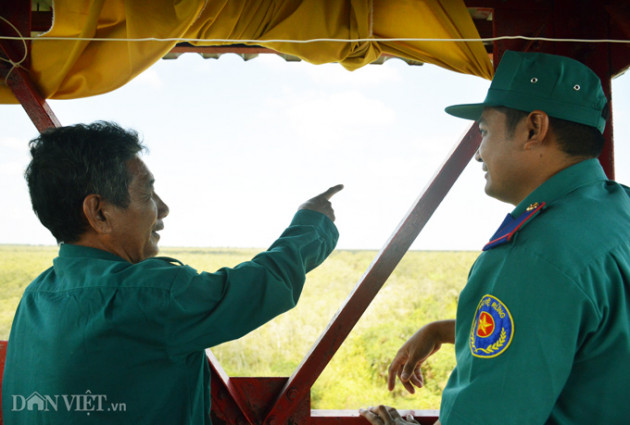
[[575, 139], [69, 163]]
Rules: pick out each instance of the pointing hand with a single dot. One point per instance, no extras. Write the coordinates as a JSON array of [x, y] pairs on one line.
[[321, 203]]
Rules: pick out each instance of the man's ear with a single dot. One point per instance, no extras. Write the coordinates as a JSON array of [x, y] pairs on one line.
[[537, 128], [96, 211]]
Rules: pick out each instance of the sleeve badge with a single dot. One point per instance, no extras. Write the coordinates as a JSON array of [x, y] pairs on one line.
[[492, 328]]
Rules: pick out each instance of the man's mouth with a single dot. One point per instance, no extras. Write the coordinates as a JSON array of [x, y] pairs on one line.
[[156, 229]]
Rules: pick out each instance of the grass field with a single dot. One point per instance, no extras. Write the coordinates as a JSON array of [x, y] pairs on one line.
[[424, 287]]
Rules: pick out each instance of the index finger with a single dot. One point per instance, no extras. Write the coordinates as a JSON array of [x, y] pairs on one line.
[[331, 192], [395, 368]]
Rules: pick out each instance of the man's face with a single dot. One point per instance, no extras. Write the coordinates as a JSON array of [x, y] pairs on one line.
[[503, 158], [135, 228]]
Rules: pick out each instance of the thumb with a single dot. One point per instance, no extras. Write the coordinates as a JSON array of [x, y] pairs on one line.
[[408, 369]]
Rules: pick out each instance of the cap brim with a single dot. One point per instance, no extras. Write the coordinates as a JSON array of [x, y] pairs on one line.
[[471, 111]]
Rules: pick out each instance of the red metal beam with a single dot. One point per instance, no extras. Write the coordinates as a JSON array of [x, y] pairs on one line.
[[16, 76], [238, 49], [41, 21], [33, 103], [590, 22], [599, 61], [3, 356], [19, 16], [227, 402], [374, 278]]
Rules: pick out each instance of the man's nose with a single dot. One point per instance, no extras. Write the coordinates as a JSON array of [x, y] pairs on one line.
[[478, 156], [162, 207]]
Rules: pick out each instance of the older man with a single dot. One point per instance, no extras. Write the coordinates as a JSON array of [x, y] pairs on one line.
[[110, 334], [542, 334]]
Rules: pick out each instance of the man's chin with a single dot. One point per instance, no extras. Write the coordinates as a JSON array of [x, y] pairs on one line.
[[151, 251], [488, 188], [491, 192]]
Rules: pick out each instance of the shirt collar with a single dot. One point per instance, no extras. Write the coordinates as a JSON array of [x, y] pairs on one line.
[[69, 250], [562, 183]]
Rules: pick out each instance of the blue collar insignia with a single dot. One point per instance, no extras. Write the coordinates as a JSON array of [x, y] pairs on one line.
[[511, 225]]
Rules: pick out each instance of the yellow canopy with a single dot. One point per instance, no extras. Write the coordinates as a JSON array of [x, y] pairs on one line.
[[67, 69]]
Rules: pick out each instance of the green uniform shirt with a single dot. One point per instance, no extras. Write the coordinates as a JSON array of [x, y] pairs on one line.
[[99, 340], [543, 324]]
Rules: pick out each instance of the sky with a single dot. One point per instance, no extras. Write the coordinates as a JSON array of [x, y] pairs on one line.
[[237, 146]]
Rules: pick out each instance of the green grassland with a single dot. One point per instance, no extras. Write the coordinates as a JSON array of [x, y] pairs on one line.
[[423, 288]]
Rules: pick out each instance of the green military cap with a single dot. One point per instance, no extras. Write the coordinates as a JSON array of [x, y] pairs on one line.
[[560, 86]]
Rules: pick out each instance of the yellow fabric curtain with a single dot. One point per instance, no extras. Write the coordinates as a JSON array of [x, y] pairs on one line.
[[71, 69]]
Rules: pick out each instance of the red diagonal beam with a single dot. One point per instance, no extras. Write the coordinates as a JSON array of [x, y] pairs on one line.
[[33, 103], [373, 279], [225, 396]]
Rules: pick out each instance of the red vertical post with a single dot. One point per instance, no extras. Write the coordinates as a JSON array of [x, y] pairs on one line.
[[607, 157], [17, 52], [3, 356], [589, 20]]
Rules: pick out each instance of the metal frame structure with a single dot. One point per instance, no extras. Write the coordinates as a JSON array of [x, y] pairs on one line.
[[16, 76], [277, 401]]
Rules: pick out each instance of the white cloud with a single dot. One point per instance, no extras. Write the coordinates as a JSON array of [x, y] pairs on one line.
[[335, 74], [13, 143], [149, 78], [11, 169], [326, 119], [340, 109], [253, 140]]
